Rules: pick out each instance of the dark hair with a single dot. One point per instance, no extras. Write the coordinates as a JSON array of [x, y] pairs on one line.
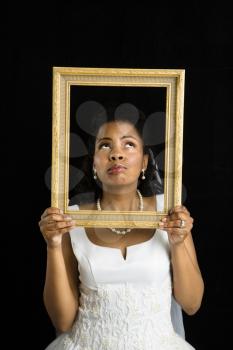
[[88, 190]]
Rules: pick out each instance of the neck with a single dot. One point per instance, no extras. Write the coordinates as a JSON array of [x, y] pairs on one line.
[[121, 201]]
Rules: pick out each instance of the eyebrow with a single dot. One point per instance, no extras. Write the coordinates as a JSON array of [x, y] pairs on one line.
[[123, 137]]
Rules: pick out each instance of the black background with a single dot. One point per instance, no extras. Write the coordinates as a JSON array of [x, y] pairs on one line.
[[188, 37], [151, 102]]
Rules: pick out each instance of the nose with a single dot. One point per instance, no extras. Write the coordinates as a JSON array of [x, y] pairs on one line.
[[116, 156]]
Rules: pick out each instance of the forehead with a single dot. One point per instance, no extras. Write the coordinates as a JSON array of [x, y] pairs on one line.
[[117, 128]]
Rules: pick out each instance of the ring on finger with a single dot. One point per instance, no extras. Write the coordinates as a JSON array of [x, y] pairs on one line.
[[182, 223]]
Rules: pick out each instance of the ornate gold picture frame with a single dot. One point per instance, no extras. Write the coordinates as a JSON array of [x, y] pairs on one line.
[[68, 85]]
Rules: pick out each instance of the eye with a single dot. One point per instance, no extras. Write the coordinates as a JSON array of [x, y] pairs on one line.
[[104, 145], [129, 144]]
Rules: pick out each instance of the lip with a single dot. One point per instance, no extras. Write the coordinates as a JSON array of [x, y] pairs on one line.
[[116, 169]]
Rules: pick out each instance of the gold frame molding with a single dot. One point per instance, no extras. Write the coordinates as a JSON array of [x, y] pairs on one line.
[[63, 79]]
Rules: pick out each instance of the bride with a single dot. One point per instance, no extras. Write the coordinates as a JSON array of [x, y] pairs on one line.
[[121, 167]]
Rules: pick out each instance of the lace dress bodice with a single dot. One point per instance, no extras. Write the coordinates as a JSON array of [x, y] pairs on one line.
[[124, 303]]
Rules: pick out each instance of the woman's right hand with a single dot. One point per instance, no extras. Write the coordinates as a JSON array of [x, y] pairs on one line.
[[53, 225]]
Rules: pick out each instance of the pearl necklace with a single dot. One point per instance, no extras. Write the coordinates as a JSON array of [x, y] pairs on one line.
[[141, 206]]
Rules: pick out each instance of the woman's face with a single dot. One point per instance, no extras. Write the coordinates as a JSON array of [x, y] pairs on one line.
[[119, 157]]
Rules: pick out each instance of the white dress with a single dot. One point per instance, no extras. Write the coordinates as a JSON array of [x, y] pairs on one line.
[[125, 304]]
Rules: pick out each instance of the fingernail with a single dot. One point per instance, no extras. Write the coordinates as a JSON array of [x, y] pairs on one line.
[[67, 217]]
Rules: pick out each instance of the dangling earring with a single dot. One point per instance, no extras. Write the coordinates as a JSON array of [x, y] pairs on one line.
[[143, 174], [95, 174]]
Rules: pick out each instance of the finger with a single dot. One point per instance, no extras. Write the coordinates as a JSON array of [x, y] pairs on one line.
[[51, 210], [179, 208], [57, 225], [65, 230], [61, 231], [181, 216], [177, 231], [62, 224], [172, 223], [176, 217], [57, 217]]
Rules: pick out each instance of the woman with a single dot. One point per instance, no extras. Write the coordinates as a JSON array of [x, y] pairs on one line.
[[127, 277]]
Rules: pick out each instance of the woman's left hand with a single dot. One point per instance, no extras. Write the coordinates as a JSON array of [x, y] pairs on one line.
[[178, 224]]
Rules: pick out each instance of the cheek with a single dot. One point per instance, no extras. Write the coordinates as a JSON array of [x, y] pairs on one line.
[[135, 159], [99, 160]]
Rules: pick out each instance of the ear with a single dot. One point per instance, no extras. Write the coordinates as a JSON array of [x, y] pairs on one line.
[[145, 161]]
